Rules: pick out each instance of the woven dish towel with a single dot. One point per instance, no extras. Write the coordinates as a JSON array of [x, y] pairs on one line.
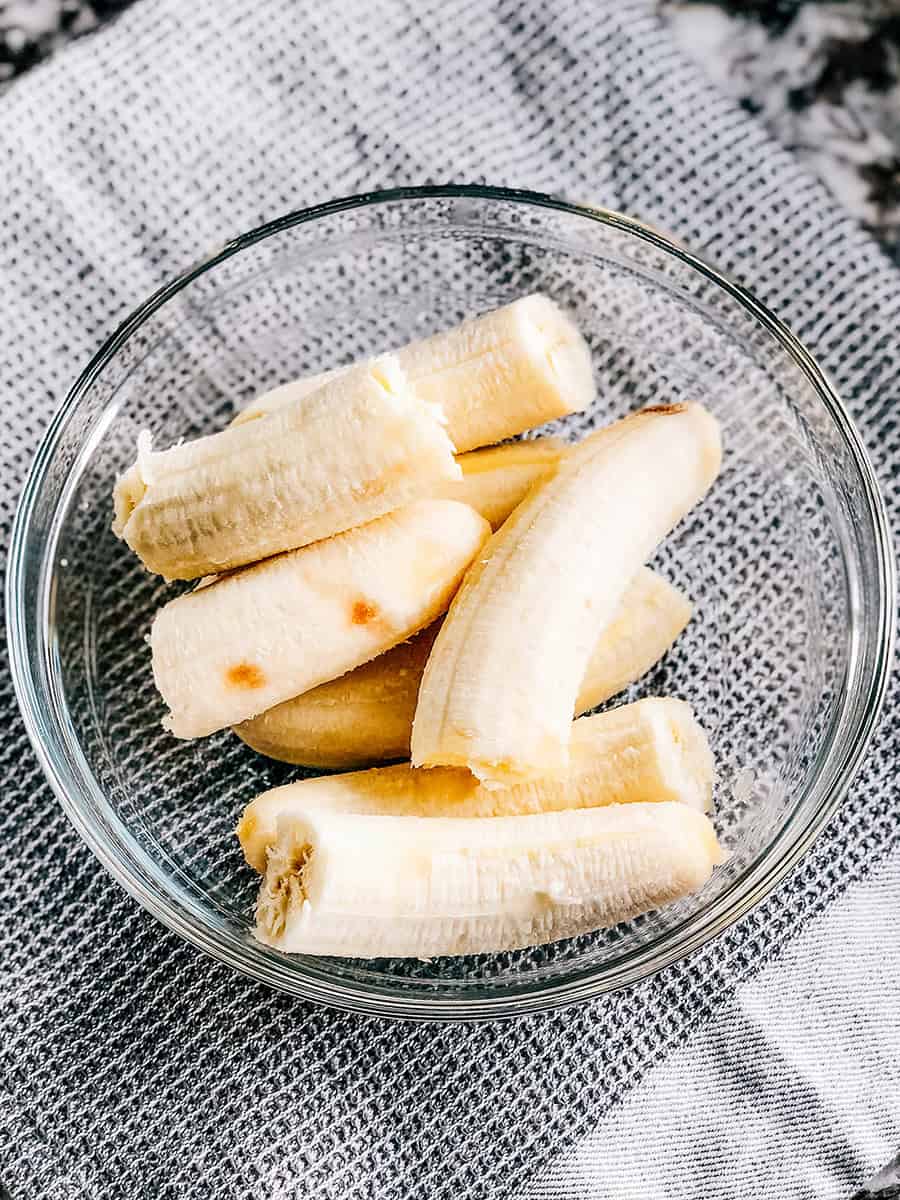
[[130, 1066]]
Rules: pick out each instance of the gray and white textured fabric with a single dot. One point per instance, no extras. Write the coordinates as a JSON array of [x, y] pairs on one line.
[[131, 1066]]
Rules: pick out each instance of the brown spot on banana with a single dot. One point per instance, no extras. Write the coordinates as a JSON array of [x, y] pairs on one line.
[[244, 675], [666, 409], [363, 612]]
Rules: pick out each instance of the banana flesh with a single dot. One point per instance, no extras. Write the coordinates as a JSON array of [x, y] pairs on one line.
[[254, 638], [501, 683], [360, 446], [494, 376], [497, 479], [363, 717], [650, 751], [285, 394], [650, 616], [371, 886], [366, 716]]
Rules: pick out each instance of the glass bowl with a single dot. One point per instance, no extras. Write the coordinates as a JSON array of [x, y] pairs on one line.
[[788, 562]]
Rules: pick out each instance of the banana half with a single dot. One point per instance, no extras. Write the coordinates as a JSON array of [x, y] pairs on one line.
[[494, 376], [502, 681], [362, 445], [497, 479], [648, 751], [251, 639], [372, 886]]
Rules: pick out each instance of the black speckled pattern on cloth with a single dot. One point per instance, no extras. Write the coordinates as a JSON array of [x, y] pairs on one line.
[[130, 1065]]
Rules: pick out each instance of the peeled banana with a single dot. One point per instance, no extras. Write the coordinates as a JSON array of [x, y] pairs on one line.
[[363, 444], [498, 478], [651, 615], [501, 683], [363, 717], [252, 639], [495, 479], [649, 751], [395, 886], [284, 394], [366, 716], [495, 375]]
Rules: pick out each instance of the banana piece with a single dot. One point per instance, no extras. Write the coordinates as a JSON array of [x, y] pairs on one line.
[[362, 717], [649, 751], [285, 394], [497, 479], [493, 480], [366, 716], [360, 446], [651, 615], [495, 375], [502, 680], [249, 640], [383, 886]]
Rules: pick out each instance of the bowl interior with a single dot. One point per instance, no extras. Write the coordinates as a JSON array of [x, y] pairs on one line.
[[774, 560]]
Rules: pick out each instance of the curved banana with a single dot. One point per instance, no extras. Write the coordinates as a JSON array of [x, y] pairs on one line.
[[366, 716], [363, 444], [501, 683], [495, 375], [649, 751], [383, 886], [249, 640]]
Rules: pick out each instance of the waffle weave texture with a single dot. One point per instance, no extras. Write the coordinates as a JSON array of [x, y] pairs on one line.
[[130, 1065]]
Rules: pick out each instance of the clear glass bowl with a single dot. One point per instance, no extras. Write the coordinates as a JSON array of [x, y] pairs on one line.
[[788, 562]]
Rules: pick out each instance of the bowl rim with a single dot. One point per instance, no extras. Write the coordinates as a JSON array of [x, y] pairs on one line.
[[759, 879]]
